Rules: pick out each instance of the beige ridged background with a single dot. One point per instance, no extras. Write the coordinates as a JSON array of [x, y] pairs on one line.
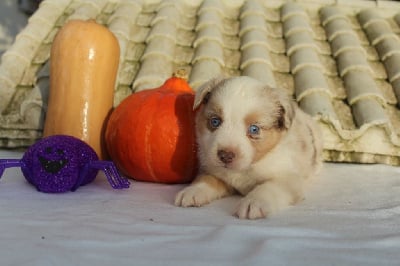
[[339, 59]]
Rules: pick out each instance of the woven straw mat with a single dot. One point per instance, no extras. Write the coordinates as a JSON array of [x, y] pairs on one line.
[[339, 59]]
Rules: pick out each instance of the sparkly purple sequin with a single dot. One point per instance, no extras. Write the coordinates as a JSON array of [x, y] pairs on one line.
[[54, 164], [61, 163]]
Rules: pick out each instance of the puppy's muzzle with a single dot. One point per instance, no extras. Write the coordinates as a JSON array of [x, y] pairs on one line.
[[226, 156]]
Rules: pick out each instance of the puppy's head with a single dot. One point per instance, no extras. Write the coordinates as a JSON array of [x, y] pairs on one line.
[[238, 121]]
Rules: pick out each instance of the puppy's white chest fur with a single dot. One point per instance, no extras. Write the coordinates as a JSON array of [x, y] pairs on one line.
[[253, 140], [242, 181]]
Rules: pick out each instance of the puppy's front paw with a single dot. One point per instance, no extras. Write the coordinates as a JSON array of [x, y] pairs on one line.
[[193, 196], [252, 208], [266, 199], [205, 189]]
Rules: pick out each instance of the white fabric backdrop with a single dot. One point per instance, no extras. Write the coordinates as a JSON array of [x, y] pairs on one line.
[[351, 216]]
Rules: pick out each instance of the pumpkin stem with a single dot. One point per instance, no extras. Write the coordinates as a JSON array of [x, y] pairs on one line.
[[181, 73], [178, 82]]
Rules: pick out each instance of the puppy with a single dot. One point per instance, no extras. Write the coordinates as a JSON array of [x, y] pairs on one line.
[[255, 141]]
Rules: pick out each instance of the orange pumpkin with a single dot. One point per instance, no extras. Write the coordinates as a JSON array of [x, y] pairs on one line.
[[150, 135]]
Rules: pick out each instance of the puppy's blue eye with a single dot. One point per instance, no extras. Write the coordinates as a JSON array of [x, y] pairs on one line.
[[253, 130], [215, 122]]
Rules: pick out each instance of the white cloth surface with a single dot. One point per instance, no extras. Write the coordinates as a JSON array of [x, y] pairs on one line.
[[351, 216]]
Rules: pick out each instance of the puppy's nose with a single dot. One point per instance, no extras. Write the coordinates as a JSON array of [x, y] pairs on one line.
[[226, 156]]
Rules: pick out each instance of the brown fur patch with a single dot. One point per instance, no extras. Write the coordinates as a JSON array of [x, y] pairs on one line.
[[208, 113], [303, 145], [280, 120], [221, 187], [201, 123], [269, 136], [254, 118], [268, 140]]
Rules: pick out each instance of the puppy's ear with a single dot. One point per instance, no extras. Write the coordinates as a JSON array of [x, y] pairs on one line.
[[286, 111], [204, 91]]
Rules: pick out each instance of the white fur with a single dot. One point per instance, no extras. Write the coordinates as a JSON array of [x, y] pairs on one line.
[[268, 171]]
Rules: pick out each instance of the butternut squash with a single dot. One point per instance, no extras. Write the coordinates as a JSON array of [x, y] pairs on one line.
[[84, 62]]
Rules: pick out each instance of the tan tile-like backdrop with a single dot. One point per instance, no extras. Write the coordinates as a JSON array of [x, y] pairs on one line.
[[339, 59]]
